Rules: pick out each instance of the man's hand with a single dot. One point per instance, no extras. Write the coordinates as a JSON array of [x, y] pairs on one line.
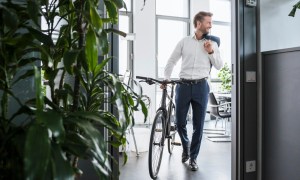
[[208, 47], [164, 85]]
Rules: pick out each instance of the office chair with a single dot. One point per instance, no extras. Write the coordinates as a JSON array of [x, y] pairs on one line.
[[220, 111]]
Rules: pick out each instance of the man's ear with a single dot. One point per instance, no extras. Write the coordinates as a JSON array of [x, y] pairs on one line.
[[198, 22]]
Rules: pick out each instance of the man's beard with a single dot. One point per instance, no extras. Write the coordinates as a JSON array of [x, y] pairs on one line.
[[204, 31]]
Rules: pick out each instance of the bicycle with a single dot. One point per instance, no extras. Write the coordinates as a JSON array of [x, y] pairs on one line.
[[163, 126]]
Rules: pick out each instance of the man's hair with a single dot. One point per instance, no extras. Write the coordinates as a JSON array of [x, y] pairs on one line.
[[200, 17]]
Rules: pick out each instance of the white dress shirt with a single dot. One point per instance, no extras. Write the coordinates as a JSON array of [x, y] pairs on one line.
[[196, 62]]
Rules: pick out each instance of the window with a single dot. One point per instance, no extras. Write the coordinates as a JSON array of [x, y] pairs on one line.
[[224, 33], [177, 8], [169, 33], [125, 46], [221, 10], [172, 26]]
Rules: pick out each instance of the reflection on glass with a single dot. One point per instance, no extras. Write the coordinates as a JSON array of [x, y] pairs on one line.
[[169, 34], [123, 48], [178, 8]]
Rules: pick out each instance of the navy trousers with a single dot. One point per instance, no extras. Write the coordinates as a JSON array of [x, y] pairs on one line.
[[197, 96]]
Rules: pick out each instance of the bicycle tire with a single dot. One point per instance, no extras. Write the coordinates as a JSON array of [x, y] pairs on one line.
[[172, 132], [156, 144]]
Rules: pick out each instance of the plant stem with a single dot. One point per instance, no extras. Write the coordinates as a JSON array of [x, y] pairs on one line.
[[78, 64], [80, 46]]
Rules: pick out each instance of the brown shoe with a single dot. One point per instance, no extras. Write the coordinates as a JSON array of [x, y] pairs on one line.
[[193, 165]]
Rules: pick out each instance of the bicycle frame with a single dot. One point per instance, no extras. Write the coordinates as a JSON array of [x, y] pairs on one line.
[[166, 109]]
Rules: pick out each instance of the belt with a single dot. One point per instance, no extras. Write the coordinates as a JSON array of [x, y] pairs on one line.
[[193, 81]]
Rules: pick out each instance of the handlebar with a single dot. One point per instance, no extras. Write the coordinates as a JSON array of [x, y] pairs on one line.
[[151, 81]]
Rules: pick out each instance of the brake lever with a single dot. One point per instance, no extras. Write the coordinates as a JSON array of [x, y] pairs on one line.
[[148, 81]]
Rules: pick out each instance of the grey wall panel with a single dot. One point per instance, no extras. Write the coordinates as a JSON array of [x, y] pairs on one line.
[[281, 114], [248, 90]]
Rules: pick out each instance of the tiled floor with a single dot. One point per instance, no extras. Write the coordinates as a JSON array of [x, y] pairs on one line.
[[214, 160]]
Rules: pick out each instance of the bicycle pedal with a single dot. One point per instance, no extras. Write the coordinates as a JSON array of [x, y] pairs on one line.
[[176, 143]]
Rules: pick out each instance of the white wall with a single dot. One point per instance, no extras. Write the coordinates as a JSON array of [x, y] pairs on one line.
[[144, 49], [278, 30]]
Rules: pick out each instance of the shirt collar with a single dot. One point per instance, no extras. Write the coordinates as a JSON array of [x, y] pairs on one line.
[[194, 37]]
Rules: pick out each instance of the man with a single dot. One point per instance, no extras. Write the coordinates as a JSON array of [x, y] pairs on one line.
[[199, 53]]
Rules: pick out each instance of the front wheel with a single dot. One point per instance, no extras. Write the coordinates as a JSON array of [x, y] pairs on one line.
[[156, 145]]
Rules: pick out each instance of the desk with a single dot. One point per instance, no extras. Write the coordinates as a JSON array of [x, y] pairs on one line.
[[223, 95]]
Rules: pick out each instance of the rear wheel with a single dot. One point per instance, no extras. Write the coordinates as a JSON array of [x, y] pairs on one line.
[[171, 129], [156, 145]]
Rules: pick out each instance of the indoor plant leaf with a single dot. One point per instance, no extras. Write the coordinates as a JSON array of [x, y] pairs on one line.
[[103, 42], [62, 168], [54, 122], [91, 49], [33, 10], [10, 18], [46, 39], [96, 20], [37, 152], [112, 11], [70, 58], [105, 119], [77, 144]]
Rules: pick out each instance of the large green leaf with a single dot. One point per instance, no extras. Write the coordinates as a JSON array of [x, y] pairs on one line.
[[91, 49], [102, 65], [33, 10], [77, 144], [103, 42], [38, 89], [105, 119], [112, 11], [44, 38], [96, 20], [10, 18], [119, 3], [70, 58], [98, 151], [62, 168], [144, 110], [54, 122], [37, 152]]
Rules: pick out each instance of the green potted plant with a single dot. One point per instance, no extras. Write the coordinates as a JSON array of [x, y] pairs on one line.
[[225, 76], [43, 137]]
